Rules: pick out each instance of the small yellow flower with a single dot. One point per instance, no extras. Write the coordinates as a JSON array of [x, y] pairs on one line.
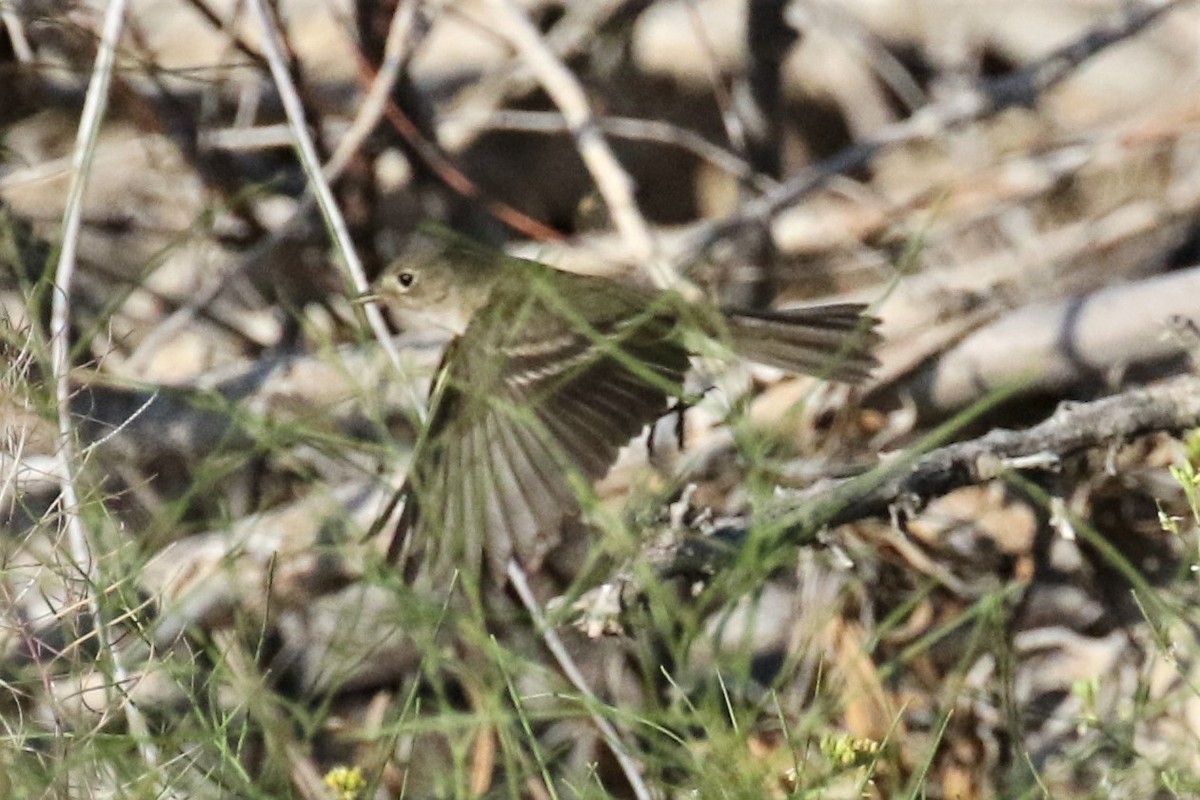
[[847, 750], [346, 782]]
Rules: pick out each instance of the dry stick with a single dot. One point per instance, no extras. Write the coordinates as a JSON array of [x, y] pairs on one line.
[[81, 554], [910, 483], [612, 181], [1078, 339], [554, 644], [378, 103], [1021, 87], [16, 34], [199, 301], [734, 129], [273, 136], [434, 157], [471, 110], [373, 105], [647, 130], [320, 187], [758, 91], [851, 31], [453, 177], [214, 19], [436, 160], [1171, 407]]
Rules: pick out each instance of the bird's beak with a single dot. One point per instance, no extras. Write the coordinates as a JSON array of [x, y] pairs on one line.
[[364, 298]]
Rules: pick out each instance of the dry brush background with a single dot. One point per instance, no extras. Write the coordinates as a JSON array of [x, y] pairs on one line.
[[944, 583]]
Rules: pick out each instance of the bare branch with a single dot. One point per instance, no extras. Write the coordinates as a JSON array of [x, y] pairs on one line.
[[374, 104], [1023, 87], [646, 130], [911, 482], [613, 182], [473, 110]]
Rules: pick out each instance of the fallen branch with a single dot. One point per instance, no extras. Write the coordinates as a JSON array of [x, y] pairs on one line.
[[1171, 407], [908, 483]]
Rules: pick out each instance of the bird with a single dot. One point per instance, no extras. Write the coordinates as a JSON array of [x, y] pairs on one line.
[[547, 376]]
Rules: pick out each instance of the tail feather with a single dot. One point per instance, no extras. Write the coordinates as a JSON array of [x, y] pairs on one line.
[[831, 341]]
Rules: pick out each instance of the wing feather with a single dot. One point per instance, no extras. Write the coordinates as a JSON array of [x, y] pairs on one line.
[[509, 474]]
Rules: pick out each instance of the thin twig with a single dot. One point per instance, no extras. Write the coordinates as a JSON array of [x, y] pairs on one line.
[[82, 156], [469, 112], [851, 32], [307, 154], [374, 103], [117, 429], [632, 771], [453, 177], [270, 137], [734, 129], [612, 181], [16, 34], [646, 130], [1022, 87]]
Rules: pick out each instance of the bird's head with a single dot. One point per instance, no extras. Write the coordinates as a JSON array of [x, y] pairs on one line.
[[439, 280]]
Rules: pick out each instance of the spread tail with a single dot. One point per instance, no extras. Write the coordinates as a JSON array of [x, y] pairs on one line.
[[831, 341]]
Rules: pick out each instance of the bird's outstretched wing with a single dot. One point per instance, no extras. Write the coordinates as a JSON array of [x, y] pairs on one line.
[[531, 404]]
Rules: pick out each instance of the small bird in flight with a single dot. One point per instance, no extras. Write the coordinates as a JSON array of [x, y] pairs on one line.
[[548, 376]]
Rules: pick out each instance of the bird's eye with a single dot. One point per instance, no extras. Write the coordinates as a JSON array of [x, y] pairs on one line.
[[406, 279]]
